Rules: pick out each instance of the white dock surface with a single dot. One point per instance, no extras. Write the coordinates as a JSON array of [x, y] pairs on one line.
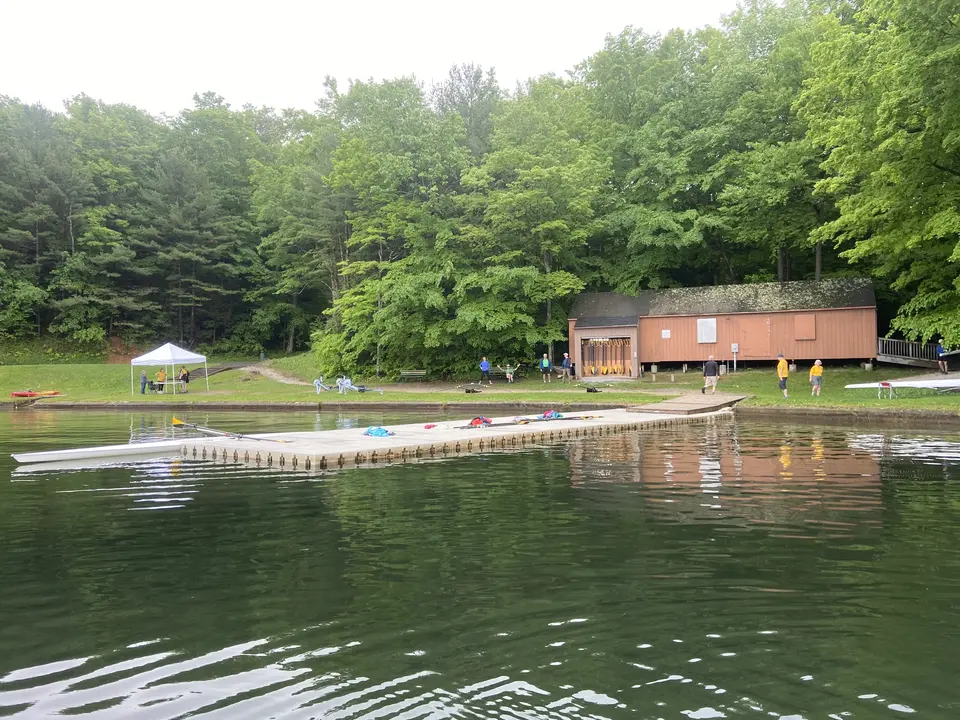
[[333, 449]]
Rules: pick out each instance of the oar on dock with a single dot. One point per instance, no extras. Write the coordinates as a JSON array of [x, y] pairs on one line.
[[223, 433]]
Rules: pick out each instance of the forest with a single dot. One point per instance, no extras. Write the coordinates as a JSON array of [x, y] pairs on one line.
[[399, 226]]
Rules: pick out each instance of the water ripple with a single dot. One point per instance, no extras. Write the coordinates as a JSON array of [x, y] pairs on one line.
[[727, 571]]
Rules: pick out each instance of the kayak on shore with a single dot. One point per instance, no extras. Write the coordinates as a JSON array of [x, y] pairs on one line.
[[35, 393]]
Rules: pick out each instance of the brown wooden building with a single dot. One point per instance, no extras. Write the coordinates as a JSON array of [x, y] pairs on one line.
[[612, 334]]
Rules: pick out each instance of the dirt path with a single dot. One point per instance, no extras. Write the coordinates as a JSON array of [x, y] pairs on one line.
[[274, 374]]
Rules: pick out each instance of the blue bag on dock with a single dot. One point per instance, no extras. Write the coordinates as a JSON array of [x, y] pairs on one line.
[[377, 431]]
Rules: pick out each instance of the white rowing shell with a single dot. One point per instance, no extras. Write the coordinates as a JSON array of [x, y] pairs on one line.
[[929, 384], [101, 451]]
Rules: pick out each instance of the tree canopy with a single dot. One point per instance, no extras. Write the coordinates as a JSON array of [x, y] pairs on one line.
[[397, 226]]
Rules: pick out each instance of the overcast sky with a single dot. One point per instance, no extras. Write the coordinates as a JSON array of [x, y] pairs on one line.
[[157, 54]]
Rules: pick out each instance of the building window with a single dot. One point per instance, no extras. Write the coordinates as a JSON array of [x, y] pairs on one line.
[[805, 326], [706, 330]]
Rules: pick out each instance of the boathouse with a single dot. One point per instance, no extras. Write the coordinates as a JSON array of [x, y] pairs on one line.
[[612, 334]]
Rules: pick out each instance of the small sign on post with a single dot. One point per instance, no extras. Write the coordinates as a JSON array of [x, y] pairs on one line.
[[734, 348]]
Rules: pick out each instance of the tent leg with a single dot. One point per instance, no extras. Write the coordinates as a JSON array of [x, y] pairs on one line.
[[131, 381], [206, 375]]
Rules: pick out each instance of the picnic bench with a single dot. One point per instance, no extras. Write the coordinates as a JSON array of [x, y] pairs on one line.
[[418, 374]]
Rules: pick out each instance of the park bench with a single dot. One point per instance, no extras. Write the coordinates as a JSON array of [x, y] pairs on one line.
[[496, 372], [418, 374]]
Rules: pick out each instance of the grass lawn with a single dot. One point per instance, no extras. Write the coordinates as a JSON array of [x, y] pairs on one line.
[[111, 384], [762, 385]]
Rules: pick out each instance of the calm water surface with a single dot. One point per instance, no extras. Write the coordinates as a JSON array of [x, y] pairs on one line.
[[740, 571]]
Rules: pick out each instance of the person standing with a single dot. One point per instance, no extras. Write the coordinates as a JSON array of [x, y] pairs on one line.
[[565, 367], [941, 359], [782, 372], [711, 374], [816, 378], [143, 382], [546, 367], [485, 371]]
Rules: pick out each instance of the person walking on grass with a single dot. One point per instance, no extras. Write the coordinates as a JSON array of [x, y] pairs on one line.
[[711, 375], [816, 378], [565, 368], [485, 371], [782, 372], [546, 367]]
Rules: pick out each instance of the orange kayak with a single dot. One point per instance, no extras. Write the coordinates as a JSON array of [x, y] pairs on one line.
[[35, 393]]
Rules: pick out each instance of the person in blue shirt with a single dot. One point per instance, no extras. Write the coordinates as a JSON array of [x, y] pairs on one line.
[[941, 360], [485, 371], [546, 367]]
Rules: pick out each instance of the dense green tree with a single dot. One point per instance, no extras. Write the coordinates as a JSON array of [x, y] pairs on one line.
[[305, 227], [884, 104], [400, 163], [475, 96], [396, 228], [532, 208]]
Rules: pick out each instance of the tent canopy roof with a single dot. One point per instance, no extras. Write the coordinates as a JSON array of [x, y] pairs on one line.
[[168, 354]]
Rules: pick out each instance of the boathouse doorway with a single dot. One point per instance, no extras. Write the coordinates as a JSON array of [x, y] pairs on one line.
[[606, 356]]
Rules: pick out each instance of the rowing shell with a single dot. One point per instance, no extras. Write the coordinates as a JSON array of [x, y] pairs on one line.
[[155, 448], [928, 384]]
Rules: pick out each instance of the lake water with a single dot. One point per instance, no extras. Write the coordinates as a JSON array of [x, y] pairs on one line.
[[742, 571]]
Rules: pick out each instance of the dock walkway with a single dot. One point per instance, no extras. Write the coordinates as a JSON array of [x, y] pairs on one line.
[[333, 449], [691, 404]]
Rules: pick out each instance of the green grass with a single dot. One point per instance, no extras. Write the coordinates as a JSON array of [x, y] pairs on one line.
[[762, 385], [302, 366], [49, 350], [111, 384]]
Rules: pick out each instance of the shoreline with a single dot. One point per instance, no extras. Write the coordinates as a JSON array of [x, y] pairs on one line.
[[841, 415], [827, 415], [328, 406]]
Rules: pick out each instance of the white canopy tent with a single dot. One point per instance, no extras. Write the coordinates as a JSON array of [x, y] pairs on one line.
[[169, 355]]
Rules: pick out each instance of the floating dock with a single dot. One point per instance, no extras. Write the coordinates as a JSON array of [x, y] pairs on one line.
[[335, 449], [691, 404]]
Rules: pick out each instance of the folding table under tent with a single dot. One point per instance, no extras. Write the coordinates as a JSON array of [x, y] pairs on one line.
[[168, 355]]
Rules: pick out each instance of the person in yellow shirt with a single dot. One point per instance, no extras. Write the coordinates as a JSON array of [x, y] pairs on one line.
[[816, 378], [782, 372], [161, 378]]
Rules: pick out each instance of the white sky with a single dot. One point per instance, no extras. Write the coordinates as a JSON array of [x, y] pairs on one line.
[[156, 54]]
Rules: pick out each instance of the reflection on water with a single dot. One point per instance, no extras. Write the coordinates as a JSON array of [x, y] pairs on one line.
[[738, 570]]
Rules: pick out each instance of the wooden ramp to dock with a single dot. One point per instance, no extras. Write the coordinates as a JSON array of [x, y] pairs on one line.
[[691, 404], [334, 449]]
